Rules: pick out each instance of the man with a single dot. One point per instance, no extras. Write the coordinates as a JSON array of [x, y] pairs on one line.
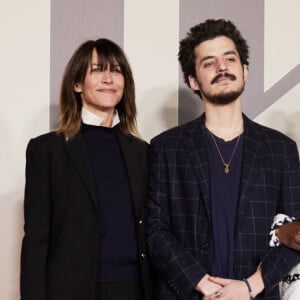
[[217, 182]]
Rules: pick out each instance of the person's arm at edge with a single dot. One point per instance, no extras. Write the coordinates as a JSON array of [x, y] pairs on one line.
[[289, 235], [283, 256]]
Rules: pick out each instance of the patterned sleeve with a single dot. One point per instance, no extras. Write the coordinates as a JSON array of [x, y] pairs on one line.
[[279, 220]]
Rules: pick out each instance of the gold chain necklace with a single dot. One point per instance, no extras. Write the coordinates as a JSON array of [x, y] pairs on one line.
[[226, 165]]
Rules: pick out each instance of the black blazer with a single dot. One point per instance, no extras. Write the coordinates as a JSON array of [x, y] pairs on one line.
[[59, 250], [179, 222]]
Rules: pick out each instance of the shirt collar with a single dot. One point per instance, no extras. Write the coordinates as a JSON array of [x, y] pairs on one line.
[[90, 118]]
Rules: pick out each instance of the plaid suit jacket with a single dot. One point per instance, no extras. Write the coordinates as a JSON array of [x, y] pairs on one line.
[[179, 214]]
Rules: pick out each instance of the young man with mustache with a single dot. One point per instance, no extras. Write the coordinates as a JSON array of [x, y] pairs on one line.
[[217, 182]]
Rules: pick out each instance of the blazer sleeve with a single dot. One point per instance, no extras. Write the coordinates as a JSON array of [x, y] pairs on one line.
[[279, 260], [37, 223], [179, 268]]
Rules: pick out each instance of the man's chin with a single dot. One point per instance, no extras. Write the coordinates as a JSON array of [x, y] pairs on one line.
[[225, 97]]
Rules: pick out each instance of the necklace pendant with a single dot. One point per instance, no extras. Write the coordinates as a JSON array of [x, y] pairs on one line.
[[226, 168]]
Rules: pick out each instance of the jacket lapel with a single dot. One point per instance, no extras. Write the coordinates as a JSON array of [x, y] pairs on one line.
[[135, 165], [252, 147], [196, 147], [78, 155]]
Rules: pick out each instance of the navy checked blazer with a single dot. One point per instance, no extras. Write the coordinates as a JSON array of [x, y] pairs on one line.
[[179, 213]]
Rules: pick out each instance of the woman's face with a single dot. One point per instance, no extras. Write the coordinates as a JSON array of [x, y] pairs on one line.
[[101, 90]]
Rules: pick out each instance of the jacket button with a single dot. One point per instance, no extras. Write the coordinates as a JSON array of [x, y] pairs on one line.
[[140, 221], [143, 255]]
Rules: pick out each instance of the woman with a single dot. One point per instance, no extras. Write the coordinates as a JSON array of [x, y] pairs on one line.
[[85, 188]]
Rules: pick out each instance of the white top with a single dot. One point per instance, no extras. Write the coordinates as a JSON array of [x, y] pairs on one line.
[[90, 118]]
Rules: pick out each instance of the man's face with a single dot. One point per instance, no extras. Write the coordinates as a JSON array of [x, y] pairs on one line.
[[220, 76]]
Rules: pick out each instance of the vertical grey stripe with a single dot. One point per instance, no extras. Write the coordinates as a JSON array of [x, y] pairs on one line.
[[249, 18], [72, 23]]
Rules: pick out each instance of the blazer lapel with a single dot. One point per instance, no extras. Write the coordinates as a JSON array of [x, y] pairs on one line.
[[196, 148], [135, 165], [252, 147], [79, 157]]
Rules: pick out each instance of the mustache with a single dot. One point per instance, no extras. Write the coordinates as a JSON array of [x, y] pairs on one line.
[[223, 75]]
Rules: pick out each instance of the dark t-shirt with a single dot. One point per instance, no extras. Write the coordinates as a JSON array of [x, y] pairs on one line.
[[224, 193]]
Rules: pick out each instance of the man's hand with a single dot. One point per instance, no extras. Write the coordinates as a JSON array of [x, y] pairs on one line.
[[289, 235], [236, 289], [231, 290], [206, 286]]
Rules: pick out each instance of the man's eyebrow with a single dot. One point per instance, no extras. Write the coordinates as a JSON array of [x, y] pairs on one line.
[[230, 52], [212, 56], [206, 58]]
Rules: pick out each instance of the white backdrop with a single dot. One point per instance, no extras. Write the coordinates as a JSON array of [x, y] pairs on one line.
[[24, 112], [152, 48]]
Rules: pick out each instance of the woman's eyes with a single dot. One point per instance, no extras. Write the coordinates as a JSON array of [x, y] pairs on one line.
[[112, 70], [116, 70]]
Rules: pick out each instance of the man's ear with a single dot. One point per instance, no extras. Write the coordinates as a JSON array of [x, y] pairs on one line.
[[77, 88], [246, 72], [194, 83]]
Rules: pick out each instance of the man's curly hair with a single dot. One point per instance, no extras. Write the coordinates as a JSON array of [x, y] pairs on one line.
[[208, 30]]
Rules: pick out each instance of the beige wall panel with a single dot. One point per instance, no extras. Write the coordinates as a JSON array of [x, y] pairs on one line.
[[24, 96], [282, 39], [282, 54], [284, 115], [151, 43]]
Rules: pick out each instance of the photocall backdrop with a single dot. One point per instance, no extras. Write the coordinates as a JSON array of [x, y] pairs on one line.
[[38, 37]]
